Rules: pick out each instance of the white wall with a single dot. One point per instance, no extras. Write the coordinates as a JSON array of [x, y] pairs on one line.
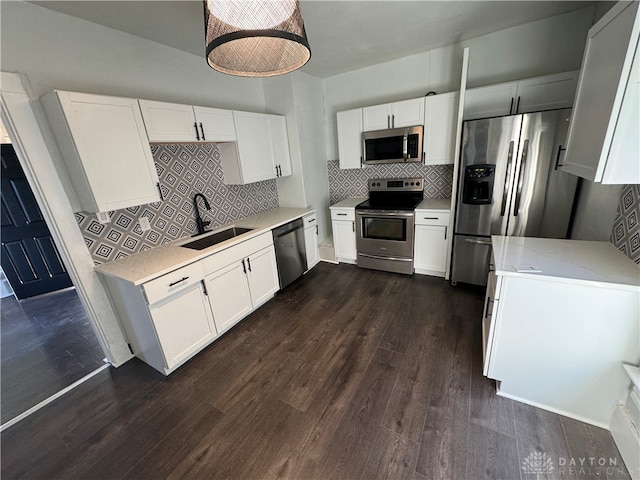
[[309, 101], [538, 48], [299, 97], [57, 51]]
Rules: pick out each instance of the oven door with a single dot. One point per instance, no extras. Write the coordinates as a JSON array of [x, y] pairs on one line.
[[385, 233]]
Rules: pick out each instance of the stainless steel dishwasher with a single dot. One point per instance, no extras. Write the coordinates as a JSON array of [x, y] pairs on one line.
[[291, 254]]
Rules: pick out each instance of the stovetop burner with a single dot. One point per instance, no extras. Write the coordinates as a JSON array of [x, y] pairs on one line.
[[393, 194]]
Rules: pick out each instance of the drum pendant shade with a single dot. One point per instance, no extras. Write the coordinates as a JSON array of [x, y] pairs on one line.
[[255, 38]]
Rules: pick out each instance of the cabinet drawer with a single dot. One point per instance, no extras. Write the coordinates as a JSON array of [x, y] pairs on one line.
[[343, 214], [236, 253], [173, 282], [310, 220], [432, 217]]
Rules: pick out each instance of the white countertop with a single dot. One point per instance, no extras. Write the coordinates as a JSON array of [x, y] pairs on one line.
[[349, 202], [574, 261], [144, 266], [435, 204]]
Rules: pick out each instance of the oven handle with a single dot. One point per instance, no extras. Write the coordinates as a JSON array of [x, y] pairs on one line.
[[377, 213], [379, 257]]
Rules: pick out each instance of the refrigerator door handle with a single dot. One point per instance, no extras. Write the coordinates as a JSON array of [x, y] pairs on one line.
[[503, 209], [523, 165]]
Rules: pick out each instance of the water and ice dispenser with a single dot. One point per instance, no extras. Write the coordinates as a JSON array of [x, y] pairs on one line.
[[478, 184]]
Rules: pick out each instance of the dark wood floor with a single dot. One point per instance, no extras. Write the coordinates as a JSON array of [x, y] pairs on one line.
[[347, 374], [47, 344]]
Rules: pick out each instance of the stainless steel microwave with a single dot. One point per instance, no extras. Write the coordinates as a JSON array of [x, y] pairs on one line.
[[393, 145]]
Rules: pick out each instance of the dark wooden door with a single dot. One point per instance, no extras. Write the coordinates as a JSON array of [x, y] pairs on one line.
[[30, 259]]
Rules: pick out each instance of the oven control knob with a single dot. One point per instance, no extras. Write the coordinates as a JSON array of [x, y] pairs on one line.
[[406, 184], [417, 184], [378, 184], [412, 184]]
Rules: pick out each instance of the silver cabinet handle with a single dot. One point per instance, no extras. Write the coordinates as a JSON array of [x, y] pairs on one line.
[[178, 281]]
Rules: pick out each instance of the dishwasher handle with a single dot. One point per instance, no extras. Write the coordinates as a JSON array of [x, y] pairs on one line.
[[288, 228]]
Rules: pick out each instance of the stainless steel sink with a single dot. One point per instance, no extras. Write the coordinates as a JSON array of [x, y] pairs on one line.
[[216, 238]]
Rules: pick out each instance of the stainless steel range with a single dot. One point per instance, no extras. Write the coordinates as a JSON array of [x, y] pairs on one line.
[[384, 224]]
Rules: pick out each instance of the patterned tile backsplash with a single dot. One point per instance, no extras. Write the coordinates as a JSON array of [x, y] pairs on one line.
[[626, 226], [353, 182], [183, 170]]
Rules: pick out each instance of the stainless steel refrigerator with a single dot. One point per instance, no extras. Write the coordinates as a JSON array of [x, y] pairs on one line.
[[509, 184]]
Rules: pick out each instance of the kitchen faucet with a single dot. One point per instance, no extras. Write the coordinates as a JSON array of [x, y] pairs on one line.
[[199, 222]]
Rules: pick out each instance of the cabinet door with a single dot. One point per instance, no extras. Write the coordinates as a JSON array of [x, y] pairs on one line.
[[546, 93], [377, 117], [350, 138], [491, 101], [606, 66], [430, 249], [229, 295], [488, 323], [169, 122], [441, 119], [183, 324], [215, 124], [311, 243], [407, 113], [344, 239], [117, 168], [262, 272], [255, 152], [280, 145]]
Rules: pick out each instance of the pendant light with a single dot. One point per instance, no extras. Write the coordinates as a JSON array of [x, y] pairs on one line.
[[255, 38]]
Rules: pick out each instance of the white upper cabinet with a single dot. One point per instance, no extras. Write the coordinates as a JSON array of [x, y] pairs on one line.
[[440, 122], [393, 115], [215, 124], [280, 145], [105, 148], [251, 159], [261, 151], [524, 96], [602, 143], [350, 138], [490, 101], [172, 122]]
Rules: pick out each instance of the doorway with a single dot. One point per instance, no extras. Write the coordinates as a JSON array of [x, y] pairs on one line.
[[47, 340]]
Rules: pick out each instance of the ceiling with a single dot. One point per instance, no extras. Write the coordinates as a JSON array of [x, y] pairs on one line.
[[344, 35]]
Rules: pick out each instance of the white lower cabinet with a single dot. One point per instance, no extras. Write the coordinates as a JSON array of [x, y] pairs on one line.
[[343, 222], [183, 323], [311, 240], [169, 319], [430, 242], [240, 287], [229, 295]]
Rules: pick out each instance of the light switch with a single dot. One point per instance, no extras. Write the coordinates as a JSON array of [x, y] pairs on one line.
[[144, 224]]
